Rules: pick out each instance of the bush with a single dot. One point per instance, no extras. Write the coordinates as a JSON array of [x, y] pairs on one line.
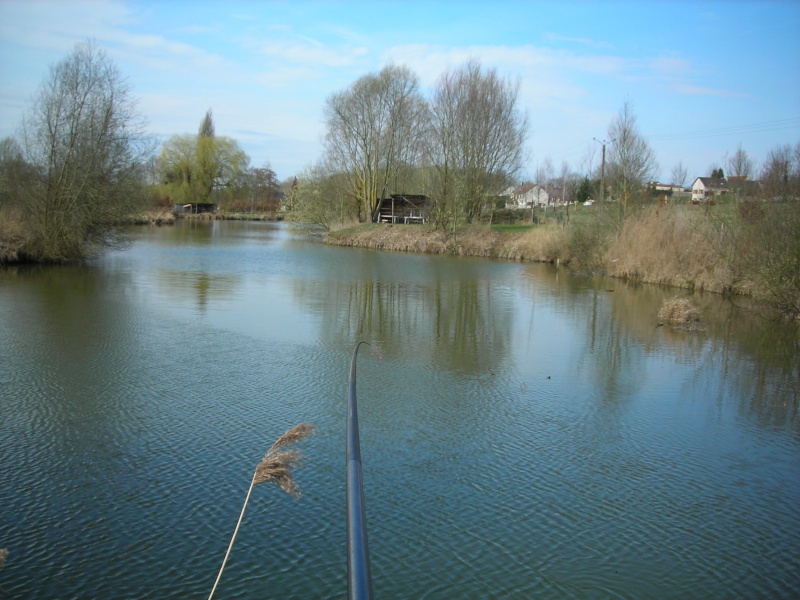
[[774, 258], [586, 243]]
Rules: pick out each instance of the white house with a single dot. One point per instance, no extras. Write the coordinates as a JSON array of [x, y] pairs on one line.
[[705, 189], [528, 195], [665, 187]]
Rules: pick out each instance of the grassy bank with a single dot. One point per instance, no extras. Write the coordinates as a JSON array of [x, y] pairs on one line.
[[736, 249], [518, 243]]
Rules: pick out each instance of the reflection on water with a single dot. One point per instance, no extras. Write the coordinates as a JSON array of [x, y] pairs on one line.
[[528, 433]]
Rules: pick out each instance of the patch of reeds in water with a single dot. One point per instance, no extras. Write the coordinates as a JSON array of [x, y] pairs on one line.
[[680, 313]]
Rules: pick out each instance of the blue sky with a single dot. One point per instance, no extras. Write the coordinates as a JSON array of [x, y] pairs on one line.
[[703, 77]]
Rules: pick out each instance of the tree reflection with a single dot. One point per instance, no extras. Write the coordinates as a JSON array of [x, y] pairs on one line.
[[741, 356], [458, 324]]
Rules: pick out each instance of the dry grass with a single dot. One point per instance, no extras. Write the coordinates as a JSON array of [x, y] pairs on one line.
[[3, 555], [670, 246], [536, 244], [13, 236], [540, 244], [152, 217], [679, 312]]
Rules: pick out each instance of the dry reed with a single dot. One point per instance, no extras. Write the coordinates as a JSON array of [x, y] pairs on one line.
[[3, 555], [679, 312], [277, 464], [276, 467]]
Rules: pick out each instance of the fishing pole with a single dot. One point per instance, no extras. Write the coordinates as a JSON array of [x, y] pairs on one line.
[[359, 578]]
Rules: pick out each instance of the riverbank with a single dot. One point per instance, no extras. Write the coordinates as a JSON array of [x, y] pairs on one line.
[[686, 247], [520, 244], [231, 216]]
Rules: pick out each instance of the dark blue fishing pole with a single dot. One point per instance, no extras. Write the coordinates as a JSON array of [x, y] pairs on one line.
[[359, 579]]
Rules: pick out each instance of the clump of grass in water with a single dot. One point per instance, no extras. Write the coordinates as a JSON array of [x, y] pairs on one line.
[[680, 313], [276, 467]]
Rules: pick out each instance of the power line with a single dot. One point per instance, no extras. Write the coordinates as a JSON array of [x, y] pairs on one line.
[[779, 125]]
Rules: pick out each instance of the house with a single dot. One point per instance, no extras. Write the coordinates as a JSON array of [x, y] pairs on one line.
[[665, 187], [705, 189], [403, 208], [743, 187], [528, 195]]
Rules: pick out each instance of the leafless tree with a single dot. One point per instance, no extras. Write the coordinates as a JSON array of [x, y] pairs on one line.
[[587, 161], [375, 130], [545, 172], [87, 144], [631, 162], [739, 164], [477, 139], [679, 174], [778, 170]]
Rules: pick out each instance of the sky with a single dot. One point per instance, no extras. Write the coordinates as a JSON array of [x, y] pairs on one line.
[[703, 77]]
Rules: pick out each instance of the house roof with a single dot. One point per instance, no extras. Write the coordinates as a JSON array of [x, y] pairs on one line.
[[524, 188], [713, 183]]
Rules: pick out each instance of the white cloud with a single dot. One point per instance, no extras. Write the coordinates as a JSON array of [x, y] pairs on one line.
[[699, 90], [581, 41], [318, 55]]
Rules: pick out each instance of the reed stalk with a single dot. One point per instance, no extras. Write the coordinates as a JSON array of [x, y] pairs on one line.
[[276, 467]]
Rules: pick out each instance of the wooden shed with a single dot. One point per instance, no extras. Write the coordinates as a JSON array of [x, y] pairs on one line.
[[403, 208]]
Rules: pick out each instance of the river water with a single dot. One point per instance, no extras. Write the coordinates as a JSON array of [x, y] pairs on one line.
[[526, 434]]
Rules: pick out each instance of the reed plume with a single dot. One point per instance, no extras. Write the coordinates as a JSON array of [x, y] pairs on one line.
[[276, 467], [277, 464]]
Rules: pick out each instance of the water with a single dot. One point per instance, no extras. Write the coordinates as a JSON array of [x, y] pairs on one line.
[[527, 434]]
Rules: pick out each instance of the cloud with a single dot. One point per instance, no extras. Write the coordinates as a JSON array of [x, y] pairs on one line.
[[21, 23], [581, 41], [311, 54], [698, 90]]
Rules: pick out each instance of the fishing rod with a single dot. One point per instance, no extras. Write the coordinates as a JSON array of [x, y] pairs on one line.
[[359, 578]]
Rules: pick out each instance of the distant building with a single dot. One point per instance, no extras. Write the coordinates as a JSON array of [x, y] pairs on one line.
[[665, 187], [705, 189], [528, 195]]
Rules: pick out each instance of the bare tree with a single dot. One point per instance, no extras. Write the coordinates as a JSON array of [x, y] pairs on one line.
[[87, 144], [679, 174], [631, 161], [739, 164], [564, 177], [478, 137], [375, 132], [544, 179], [587, 161], [776, 174]]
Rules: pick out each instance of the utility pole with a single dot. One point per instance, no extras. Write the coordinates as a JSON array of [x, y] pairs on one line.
[[603, 172]]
